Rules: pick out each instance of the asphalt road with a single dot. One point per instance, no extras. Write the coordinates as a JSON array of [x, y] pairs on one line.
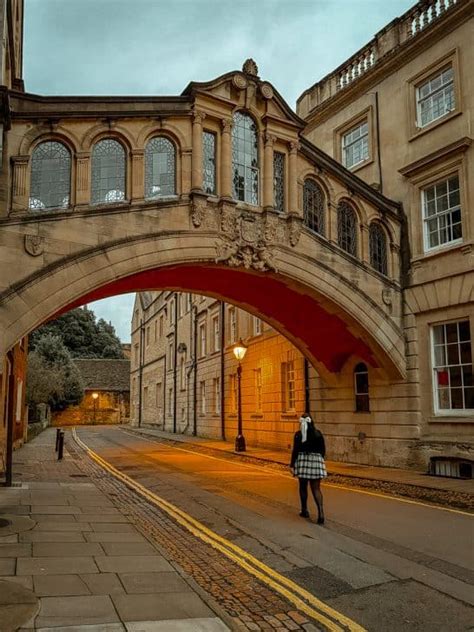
[[389, 564]]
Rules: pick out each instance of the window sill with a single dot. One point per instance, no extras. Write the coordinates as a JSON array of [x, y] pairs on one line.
[[441, 250], [360, 165], [453, 416], [289, 416], [256, 416], [416, 132]]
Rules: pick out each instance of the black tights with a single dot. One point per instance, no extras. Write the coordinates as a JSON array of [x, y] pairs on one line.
[[315, 485]]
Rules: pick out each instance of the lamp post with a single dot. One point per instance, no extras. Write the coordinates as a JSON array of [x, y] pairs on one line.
[[94, 397], [239, 351]]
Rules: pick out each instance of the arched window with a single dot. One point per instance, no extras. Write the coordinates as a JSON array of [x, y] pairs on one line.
[[108, 172], [347, 228], [313, 206], [50, 176], [245, 159], [160, 168], [378, 248], [361, 388]]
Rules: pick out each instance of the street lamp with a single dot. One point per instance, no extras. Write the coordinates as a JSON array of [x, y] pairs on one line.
[[239, 351], [94, 397]]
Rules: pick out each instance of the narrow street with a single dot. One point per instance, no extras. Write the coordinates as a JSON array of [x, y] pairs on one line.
[[388, 564]]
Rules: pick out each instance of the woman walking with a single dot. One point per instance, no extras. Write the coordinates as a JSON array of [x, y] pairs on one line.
[[307, 463]]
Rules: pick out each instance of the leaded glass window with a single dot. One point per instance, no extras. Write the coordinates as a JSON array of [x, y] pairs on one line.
[[313, 206], [279, 181], [209, 162], [108, 172], [245, 159], [378, 248], [160, 168], [347, 228], [50, 185], [355, 145]]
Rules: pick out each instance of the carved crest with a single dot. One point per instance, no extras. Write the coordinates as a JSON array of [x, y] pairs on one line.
[[294, 225], [250, 67], [234, 254], [34, 245], [198, 211]]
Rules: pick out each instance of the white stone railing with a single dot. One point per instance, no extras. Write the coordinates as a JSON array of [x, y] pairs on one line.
[[357, 66], [423, 15]]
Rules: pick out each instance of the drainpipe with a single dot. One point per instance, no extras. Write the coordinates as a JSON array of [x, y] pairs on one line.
[[140, 372], [222, 317], [164, 390], [10, 412], [195, 314], [175, 360], [306, 387]]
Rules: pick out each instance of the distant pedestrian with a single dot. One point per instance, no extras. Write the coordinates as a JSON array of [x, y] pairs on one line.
[[307, 463]]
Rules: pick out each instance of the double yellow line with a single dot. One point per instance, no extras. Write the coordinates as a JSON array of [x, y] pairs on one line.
[[303, 600]]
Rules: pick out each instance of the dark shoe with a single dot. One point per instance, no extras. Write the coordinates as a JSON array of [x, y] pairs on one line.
[[304, 514], [320, 521]]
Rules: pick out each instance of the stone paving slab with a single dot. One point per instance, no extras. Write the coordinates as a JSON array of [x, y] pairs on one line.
[[50, 525], [57, 585], [132, 564], [108, 527], [15, 550], [155, 607], [136, 583], [7, 566], [55, 566], [180, 625], [96, 517], [115, 537], [128, 548], [91, 609], [103, 627], [103, 584], [66, 549], [52, 536]]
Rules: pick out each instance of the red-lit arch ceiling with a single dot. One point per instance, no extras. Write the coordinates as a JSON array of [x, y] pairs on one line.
[[320, 334]]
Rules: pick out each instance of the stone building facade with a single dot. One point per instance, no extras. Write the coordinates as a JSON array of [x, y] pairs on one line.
[[106, 393], [182, 343], [399, 114]]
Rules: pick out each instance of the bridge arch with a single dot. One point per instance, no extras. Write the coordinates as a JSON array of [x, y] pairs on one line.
[[328, 319]]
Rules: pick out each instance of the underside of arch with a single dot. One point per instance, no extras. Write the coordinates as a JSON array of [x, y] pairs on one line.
[[322, 336]]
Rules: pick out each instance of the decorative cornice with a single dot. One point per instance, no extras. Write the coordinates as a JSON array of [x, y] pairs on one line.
[[459, 146]]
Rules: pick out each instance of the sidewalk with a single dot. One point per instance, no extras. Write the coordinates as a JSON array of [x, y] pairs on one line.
[[351, 470], [71, 561]]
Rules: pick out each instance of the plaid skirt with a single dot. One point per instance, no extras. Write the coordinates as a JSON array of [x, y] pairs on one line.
[[310, 465]]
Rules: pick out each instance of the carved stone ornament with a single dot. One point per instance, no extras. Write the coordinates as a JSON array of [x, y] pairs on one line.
[[198, 210], [243, 241], [250, 67], [294, 224], [239, 81], [34, 245], [266, 90], [387, 296]]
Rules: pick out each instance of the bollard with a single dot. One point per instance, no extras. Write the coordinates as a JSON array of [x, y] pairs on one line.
[[61, 445], [58, 430]]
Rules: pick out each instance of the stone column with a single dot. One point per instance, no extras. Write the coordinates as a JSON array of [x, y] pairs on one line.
[[196, 173], [364, 243], [20, 183], [332, 222], [226, 158], [293, 182], [138, 175], [83, 178], [394, 262], [268, 200]]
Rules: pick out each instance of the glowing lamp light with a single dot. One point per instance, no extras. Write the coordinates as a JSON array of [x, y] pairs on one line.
[[95, 395], [240, 350]]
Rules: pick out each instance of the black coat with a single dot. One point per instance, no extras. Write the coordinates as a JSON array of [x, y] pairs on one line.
[[313, 443]]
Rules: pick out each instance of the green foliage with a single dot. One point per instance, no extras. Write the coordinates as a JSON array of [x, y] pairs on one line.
[[53, 378], [82, 335]]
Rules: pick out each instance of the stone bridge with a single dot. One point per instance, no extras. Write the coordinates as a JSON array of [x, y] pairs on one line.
[[214, 191]]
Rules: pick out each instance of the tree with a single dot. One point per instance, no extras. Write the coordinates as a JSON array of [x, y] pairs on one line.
[[82, 335], [53, 378]]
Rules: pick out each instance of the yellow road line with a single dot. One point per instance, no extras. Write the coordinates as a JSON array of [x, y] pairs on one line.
[[326, 484], [301, 598]]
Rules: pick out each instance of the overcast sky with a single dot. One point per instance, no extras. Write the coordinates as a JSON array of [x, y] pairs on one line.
[[153, 47]]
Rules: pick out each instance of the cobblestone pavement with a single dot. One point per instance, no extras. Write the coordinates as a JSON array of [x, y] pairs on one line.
[[249, 603]]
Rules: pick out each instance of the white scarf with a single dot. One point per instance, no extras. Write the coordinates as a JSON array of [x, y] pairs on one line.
[[304, 423]]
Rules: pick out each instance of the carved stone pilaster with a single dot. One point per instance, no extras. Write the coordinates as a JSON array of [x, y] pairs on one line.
[[20, 184], [198, 208], [294, 225], [138, 174], [82, 178]]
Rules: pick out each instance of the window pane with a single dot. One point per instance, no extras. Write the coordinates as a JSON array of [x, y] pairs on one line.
[[209, 162], [314, 207], [245, 158], [160, 168], [108, 172], [347, 224], [50, 185]]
